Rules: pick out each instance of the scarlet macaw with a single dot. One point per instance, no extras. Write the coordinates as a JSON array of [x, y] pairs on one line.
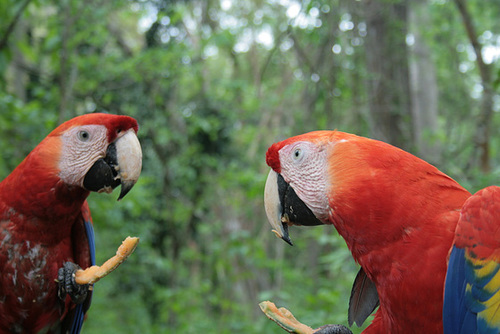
[[472, 290], [396, 213], [45, 225]]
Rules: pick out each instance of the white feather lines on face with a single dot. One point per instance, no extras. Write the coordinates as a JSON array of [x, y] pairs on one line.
[[81, 147], [304, 166]]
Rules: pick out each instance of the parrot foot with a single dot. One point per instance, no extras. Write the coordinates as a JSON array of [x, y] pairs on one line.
[[332, 329], [289, 323], [68, 285]]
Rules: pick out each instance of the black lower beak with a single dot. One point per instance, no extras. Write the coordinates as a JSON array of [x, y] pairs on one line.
[[293, 209], [284, 207], [286, 236], [103, 175]]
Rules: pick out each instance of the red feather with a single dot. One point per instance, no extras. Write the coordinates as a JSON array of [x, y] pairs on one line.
[[397, 214], [41, 227]]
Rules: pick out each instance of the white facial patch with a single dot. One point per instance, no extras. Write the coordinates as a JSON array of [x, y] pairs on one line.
[[304, 166], [82, 146]]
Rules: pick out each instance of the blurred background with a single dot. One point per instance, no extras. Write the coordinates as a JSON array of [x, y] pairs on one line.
[[213, 84]]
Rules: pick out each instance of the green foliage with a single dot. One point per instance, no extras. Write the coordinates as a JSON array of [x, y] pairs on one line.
[[210, 97]]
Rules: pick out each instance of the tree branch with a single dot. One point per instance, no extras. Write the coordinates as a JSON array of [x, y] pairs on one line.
[[11, 26], [472, 34], [482, 136]]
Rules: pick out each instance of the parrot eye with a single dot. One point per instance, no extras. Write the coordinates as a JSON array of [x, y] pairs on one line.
[[83, 135], [297, 154]]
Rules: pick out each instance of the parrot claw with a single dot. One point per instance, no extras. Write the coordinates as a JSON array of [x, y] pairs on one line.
[[68, 285], [332, 329]]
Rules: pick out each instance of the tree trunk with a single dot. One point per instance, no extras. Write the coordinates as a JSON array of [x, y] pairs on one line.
[[483, 128], [423, 86], [19, 77], [68, 70], [387, 63]]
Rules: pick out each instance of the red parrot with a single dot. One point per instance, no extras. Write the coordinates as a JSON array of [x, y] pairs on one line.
[[45, 226], [396, 213], [472, 289]]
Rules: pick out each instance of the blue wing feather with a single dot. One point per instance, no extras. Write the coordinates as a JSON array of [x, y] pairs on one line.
[[457, 318], [81, 309], [478, 293], [89, 228], [472, 286]]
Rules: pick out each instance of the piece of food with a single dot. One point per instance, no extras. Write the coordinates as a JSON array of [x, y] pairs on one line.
[[95, 273], [284, 318]]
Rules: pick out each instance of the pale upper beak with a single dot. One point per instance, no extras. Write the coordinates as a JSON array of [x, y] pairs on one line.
[[273, 206], [129, 158], [121, 166]]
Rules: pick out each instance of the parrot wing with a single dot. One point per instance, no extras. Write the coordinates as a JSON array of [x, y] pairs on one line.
[[396, 212], [472, 286], [83, 235], [45, 224], [364, 299]]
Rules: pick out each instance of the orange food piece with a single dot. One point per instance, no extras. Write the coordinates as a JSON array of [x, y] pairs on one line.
[[95, 273], [284, 318]]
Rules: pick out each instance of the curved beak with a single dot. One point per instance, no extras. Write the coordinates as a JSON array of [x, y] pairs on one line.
[[284, 207], [129, 157], [274, 208], [121, 166]]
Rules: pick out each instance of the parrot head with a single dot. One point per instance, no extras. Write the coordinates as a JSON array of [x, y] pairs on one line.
[[358, 184], [97, 152], [298, 176], [396, 213]]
